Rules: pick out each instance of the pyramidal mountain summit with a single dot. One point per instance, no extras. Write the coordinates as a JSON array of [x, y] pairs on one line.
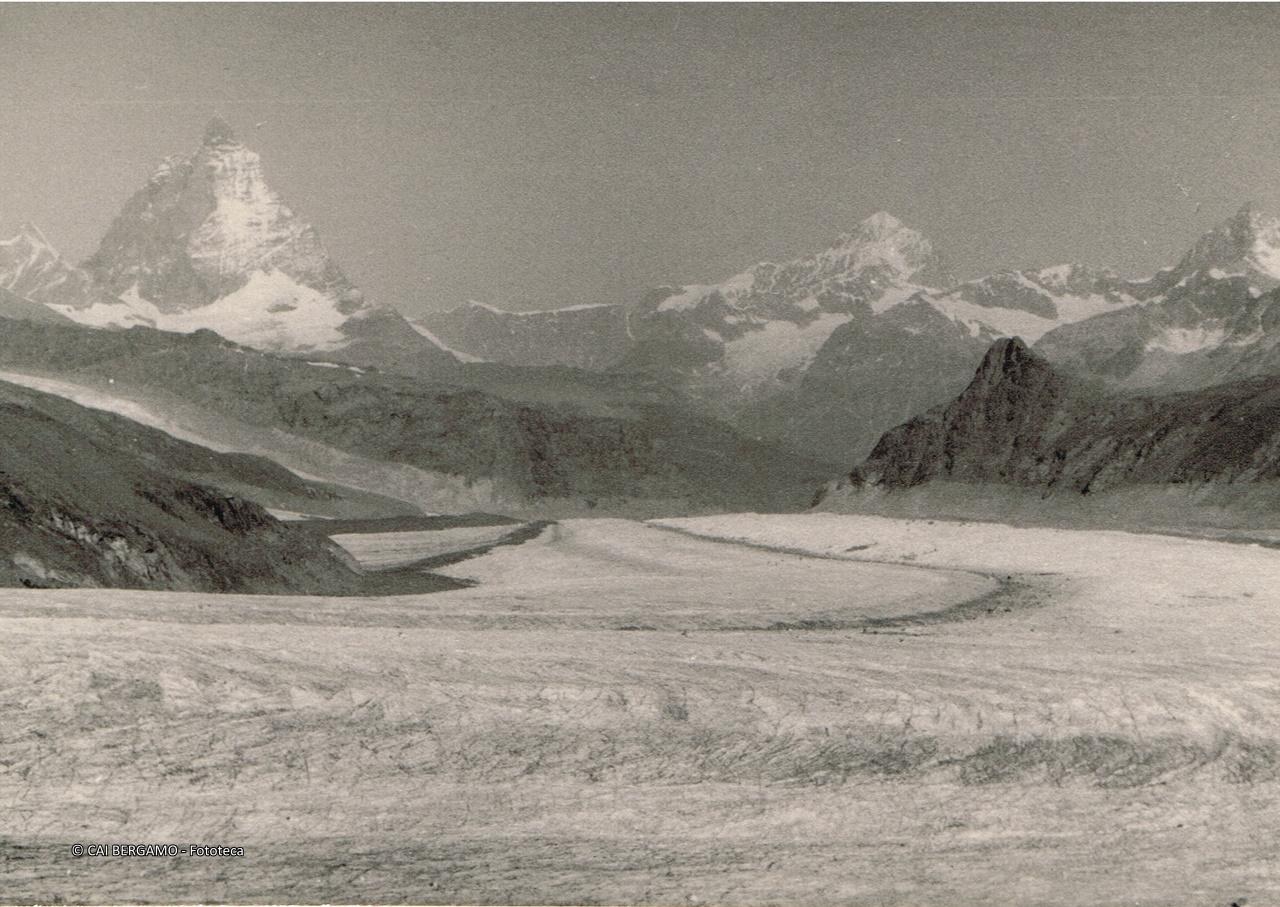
[[207, 244], [821, 350]]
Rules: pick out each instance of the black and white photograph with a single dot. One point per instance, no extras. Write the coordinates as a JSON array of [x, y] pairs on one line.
[[647, 454]]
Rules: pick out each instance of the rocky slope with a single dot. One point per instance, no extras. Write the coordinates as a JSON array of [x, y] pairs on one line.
[[1020, 422], [593, 337], [530, 451], [91, 499], [14, 306], [1214, 317], [206, 243]]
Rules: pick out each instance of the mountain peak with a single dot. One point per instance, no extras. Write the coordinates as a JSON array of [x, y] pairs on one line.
[[1009, 370], [219, 132], [882, 223], [208, 243], [1248, 242], [882, 240], [879, 227], [1007, 356]]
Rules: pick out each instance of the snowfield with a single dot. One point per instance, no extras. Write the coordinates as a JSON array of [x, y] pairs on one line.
[[911, 713]]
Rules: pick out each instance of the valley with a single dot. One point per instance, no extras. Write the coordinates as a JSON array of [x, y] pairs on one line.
[[618, 504], [616, 714]]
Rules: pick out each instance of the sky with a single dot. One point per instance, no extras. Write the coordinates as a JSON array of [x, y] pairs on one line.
[[532, 156]]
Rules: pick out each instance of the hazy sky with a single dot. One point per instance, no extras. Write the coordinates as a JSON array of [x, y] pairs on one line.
[[532, 156]]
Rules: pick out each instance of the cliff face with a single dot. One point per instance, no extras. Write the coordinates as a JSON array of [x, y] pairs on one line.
[[997, 429], [1021, 423]]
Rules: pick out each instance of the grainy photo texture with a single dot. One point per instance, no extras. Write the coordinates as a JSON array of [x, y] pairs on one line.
[[640, 454]]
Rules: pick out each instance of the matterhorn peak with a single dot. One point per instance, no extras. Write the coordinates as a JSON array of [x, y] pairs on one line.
[[219, 132]]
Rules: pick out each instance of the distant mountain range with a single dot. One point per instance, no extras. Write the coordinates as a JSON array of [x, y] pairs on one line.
[[735, 393], [1212, 318], [825, 351]]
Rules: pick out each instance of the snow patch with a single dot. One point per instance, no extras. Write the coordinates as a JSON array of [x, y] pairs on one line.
[[689, 297], [350, 368], [1187, 340], [760, 355], [894, 296], [271, 311], [130, 310], [457, 354], [993, 322], [1266, 252], [996, 321]]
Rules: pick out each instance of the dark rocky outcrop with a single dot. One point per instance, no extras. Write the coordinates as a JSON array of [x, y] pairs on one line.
[[1021, 423], [85, 501]]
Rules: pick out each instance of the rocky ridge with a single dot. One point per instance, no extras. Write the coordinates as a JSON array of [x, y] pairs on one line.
[[1020, 422]]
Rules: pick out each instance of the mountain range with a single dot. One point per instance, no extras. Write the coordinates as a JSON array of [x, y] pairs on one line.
[[737, 393], [824, 351]]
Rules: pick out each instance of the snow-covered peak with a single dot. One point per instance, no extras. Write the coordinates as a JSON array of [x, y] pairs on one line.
[[884, 251], [207, 243], [21, 257], [32, 269], [878, 226], [204, 224], [26, 261], [882, 240], [1247, 243]]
